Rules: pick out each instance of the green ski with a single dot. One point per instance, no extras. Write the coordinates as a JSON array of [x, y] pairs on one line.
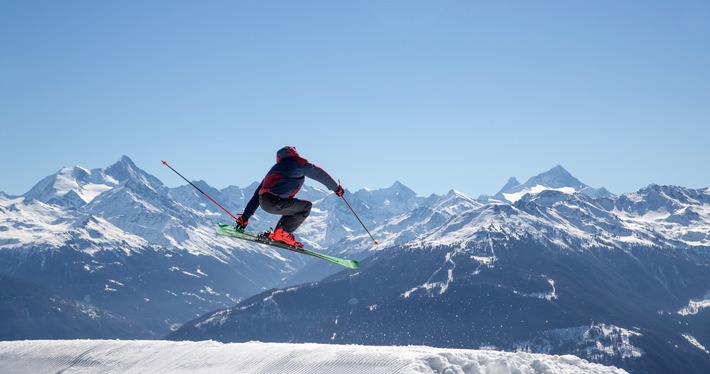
[[233, 232]]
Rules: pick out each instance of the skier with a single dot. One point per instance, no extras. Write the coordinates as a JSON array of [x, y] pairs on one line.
[[276, 192]]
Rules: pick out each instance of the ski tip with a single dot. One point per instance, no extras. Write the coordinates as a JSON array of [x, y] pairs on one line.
[[165, 163], [376, 243], [352, 264]]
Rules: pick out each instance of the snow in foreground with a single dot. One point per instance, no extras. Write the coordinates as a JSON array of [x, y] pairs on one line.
[[106, 356]]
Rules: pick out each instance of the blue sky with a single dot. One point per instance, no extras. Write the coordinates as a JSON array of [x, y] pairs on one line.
[[438, 95]]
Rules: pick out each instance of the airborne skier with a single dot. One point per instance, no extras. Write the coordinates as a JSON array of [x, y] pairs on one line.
[[275, 194]]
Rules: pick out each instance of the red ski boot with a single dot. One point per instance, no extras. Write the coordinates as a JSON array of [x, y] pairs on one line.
[[280, 235]]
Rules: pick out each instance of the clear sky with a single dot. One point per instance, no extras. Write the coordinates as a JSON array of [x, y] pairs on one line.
[[438, 95]]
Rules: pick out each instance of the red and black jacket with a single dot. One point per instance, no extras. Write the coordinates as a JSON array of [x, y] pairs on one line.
[[286, 178]]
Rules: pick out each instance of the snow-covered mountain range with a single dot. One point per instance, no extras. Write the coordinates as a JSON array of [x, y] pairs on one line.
[[550, 265]]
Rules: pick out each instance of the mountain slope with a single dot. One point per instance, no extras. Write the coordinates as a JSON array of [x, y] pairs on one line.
[[28, 311]]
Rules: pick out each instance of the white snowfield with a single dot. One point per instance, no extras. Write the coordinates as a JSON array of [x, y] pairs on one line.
[[120, 356]]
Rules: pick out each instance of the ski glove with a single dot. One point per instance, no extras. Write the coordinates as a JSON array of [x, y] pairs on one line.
[[242, 222], [339, 191]]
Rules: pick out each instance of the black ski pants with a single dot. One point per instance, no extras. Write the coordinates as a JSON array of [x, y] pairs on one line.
[[293, 211]]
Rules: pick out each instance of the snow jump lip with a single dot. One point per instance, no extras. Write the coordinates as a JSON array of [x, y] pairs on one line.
[[156, 356]]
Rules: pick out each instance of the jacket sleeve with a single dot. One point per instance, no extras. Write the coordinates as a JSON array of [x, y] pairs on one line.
[[316, 173], [253, 203]]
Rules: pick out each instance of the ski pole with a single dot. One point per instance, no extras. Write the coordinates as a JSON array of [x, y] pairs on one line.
[[358, 218], [203, 192]]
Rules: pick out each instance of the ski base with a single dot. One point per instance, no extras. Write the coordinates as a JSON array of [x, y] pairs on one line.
[[233, 232]]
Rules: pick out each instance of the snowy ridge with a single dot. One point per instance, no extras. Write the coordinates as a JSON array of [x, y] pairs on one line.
[[423, 219], [691, 339], [695, 306], [557, 179], [658, 216], [513, 197], [596, 341], [103, 356], [72, 186], [40, 224]]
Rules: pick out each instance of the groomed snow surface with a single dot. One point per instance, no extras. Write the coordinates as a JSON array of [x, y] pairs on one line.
[[119, 356]]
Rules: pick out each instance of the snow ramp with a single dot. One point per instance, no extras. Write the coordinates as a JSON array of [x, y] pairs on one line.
[[121, 356]]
